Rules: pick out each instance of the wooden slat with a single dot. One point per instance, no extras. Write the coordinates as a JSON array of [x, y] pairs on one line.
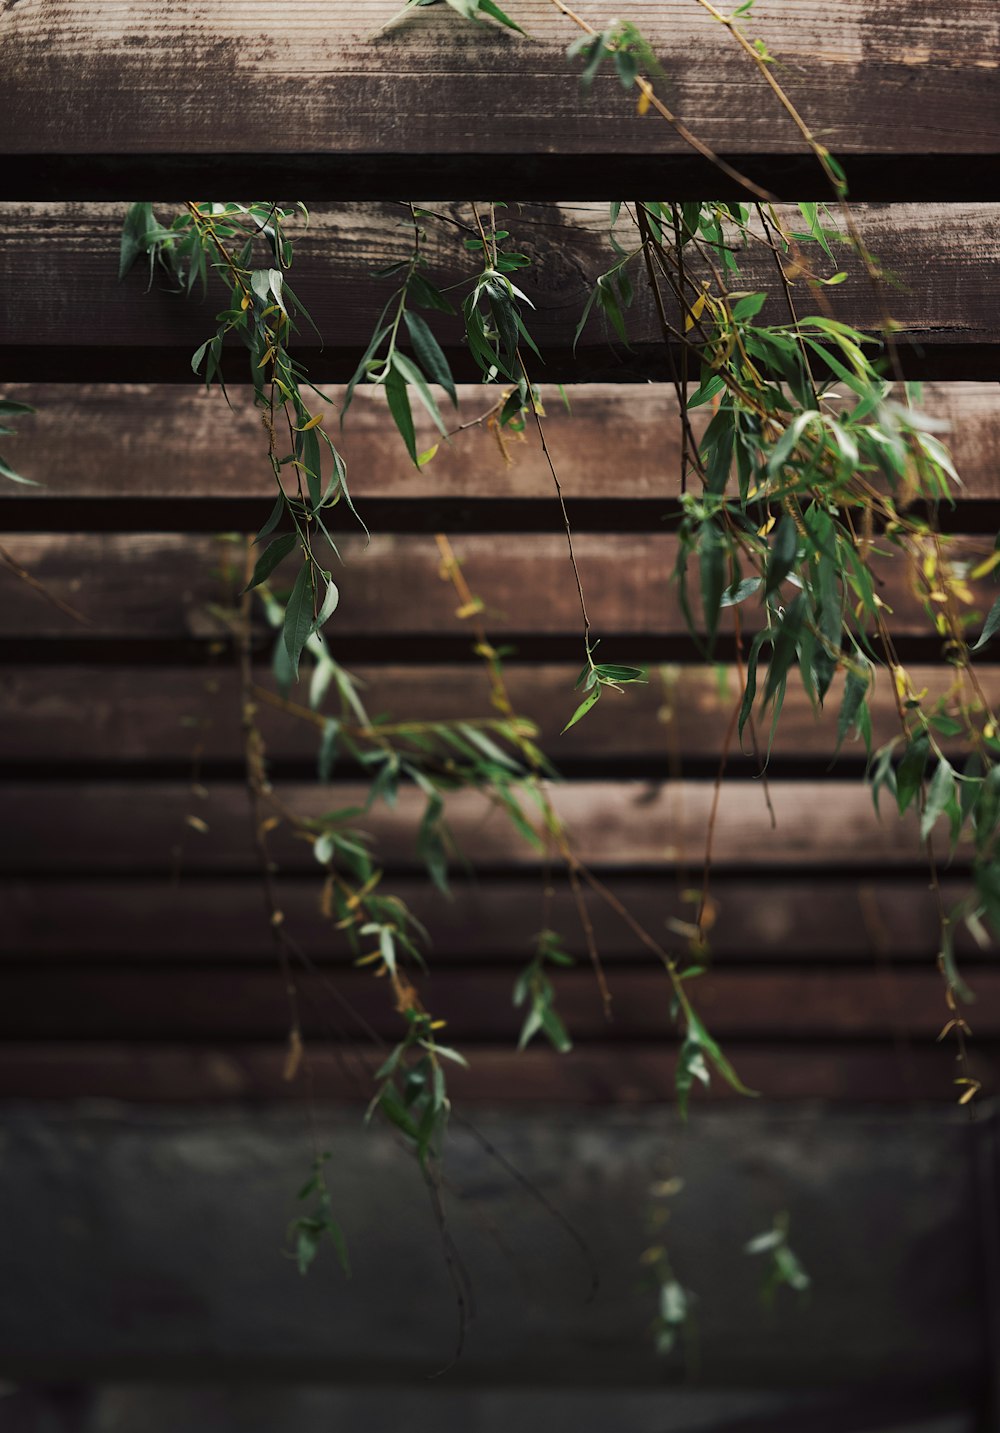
[[946, 262], [394, 650], [636, 1074], [168, 89], [162, 586], [177, 715], [143, 827], [201, 1003], [155, 442], [867, 920]]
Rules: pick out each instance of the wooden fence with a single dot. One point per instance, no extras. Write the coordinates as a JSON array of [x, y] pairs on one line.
[[135, 961]]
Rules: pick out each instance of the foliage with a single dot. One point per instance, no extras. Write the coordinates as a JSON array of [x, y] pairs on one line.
[[534, 988], [805, 466], [468, 9], [307, 1230], [782, 1265], [262, 312]]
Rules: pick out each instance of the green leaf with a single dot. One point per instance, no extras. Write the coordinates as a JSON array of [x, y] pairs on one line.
[[590, 700], [748, 306], [277, 512], [373, 343], [610, 672], [447, 1053], [697, 1031], [306, 1246], [712, 570], [750, 689], [429, 354], [426, 295], [940, 794], [882, 773], [298, 624], [785, 645], [911, 770], [327, 750], [856, 689], [271, 556], [690, 1067], [782, 556], [709, 388], [489, 7], [990, 627], [733, 596], [556, 1031], [8, 472], [410, 373], [329, 604], [139, 222], [399, 407]]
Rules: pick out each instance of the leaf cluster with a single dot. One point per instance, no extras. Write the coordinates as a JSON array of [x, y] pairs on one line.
[[263, 314], [534, 989]]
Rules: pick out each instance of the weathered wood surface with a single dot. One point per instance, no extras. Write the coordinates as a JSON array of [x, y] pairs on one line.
[[143, 827], [906, 95], [163, 586], [945, 259], [635, 1073], [873, 920], [157, 442], [174, 716], [199, 1002], [150, 1245]]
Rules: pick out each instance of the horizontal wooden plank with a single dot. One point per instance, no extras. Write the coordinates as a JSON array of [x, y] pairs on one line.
[[163, 586], [199, 1002], [397, 649], [619, 442], [945, 261], [143, 826], [169, 88], [865, 920], [80, 714], [634, 1074]]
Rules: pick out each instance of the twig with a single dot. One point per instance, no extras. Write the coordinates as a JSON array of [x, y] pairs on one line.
[[39, 587]]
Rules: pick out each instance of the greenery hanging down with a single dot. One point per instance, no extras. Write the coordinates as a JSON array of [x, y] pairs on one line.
[[811, 464]]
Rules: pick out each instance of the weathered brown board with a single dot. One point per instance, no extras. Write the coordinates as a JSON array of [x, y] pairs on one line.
[[874, 920], [306, 96], [177, 716], [945, 261], [202, 1002], [149, 1246], [163, 586], [158, 442], [632, 1074], [144, 827]]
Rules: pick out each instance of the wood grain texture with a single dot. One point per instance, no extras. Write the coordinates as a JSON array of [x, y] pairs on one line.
[[160, 586], [199, 1002], [945, 261], [142, 827], [636, 1074], [158, 441], [873, 920], [438, 101], [175, 716]]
